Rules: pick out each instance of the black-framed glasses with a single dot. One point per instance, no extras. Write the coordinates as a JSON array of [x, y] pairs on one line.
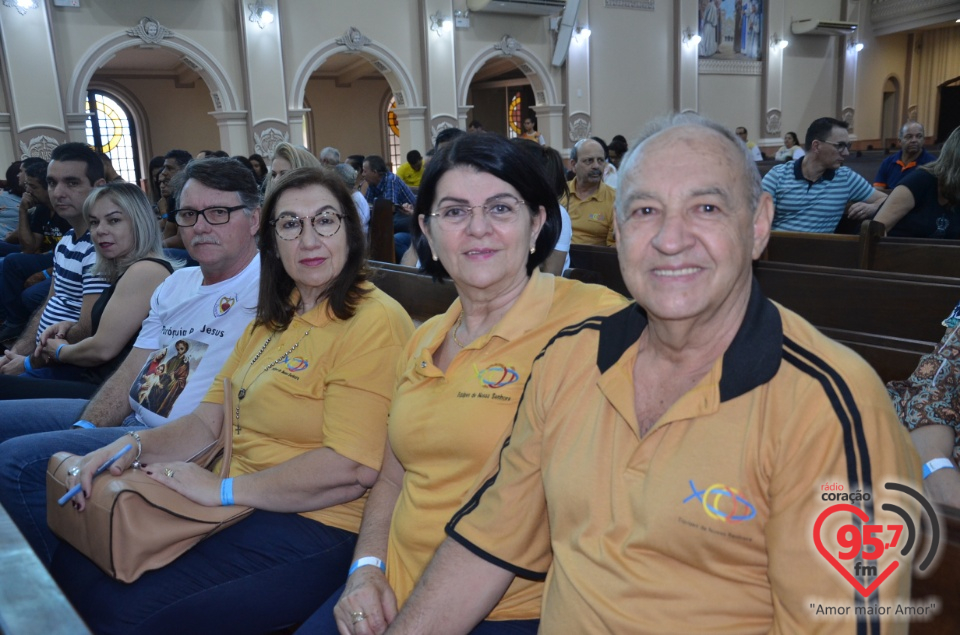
[[840, 146], [213, 215], [502, 210], [289, 226]]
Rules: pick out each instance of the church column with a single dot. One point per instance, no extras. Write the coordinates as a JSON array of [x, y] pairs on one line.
[[577, 87], [234, 132], [441, 68], [550, 123], [847, 90], [266, 90], [685, 91], [37, 122], [412, 125], [777, 31]]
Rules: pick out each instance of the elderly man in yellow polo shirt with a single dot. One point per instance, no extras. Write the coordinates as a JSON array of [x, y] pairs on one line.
[[674, 465], [590, 204]]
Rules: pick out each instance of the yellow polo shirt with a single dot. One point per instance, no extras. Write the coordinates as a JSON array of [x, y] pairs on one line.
[[704, 525], [592, 217], [444, 426], [332, 391], [410, 176]]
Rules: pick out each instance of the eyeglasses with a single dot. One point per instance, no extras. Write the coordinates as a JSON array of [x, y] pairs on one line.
[[501, 211], [213, 215], [289, 227], [841, 146]]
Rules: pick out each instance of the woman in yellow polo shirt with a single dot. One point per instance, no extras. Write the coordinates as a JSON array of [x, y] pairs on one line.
[[312, 381], [489, 219]]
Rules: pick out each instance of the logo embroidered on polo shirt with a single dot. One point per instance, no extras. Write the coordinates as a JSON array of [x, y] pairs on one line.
[[224, 304], [497, 376], [723, 503], [597, 217], [296, 364]]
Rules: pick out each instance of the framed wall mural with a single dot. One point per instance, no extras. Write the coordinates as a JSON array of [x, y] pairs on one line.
[[731, 30]]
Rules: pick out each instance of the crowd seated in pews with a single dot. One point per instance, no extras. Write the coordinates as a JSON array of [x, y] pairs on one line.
[[490, 398]]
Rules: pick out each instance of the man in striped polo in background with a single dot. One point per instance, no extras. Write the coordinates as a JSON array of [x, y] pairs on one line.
[[74, 171], [811, 193]]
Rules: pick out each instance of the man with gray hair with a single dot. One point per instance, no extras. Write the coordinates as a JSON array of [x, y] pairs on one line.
[[196, 317], [590, 204], [329, 156], [349, 176], [911, 155], [665, 466]]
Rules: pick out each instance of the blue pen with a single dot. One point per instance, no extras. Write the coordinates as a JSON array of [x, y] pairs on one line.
[[73, 491]]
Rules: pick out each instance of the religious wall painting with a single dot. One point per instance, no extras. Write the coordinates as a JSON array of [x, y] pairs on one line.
[[731, 29]]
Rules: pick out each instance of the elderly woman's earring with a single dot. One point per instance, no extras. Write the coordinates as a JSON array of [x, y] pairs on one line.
[[533, 249], [434, 256]]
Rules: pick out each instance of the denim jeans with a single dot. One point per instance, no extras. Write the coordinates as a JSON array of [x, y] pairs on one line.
[[323, 623], [265, 573], [16, 269], [33, 430]]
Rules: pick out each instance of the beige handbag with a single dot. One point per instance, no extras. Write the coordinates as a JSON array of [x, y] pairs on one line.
[[131, 523]]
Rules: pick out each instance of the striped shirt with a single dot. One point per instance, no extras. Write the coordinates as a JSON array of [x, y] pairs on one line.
[[805, 206], [72, 261]]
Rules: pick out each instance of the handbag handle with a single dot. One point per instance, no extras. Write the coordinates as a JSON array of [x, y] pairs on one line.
[[226, 430]]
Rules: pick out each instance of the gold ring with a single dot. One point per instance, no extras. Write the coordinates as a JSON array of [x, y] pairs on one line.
[[357, 616], [168, 472]]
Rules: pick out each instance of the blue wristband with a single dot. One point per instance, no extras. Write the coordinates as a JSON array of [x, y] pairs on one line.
[[368, 560], [83, 423], [226, 492], [57, 353], [26, 362], [46, 275], [936, 465]]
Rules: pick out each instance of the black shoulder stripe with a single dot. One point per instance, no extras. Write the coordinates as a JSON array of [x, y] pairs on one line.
[[470, 505], [851, 422], [536, 576], [855, 420], [591, 323], [845, 424]]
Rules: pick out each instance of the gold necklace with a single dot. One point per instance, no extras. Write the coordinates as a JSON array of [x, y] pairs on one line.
[[456, 327], [243, 391]]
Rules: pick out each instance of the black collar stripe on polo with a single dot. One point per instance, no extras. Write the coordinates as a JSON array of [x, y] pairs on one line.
[[752, 359]]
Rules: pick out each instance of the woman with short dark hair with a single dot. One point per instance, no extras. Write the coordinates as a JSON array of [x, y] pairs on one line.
[[489, 219]]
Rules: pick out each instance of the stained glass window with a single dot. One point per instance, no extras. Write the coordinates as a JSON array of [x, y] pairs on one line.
[[393, 136], [515, 117], [110, 129]]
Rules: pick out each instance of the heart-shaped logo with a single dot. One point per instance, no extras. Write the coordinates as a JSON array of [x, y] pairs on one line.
[[862, 515]]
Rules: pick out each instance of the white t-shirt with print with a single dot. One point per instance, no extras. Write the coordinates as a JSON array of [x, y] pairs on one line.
[[191, 331]]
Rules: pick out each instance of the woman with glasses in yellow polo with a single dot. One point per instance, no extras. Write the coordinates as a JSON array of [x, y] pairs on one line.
[[486, 217]]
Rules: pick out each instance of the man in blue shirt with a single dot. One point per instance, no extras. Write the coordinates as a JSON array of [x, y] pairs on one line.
[[812, 193], [385, 184], [910, 156]]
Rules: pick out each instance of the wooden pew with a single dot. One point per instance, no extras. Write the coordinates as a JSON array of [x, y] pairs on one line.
[[30, 601], [381, 231], [943, 582], [870, 250], [417, 293], [603, 260]]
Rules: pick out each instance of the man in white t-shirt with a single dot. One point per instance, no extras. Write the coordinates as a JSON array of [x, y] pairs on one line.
[[196, 316]]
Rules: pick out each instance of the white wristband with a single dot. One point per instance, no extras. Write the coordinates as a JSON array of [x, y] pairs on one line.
[[368, 560], [937, 464]]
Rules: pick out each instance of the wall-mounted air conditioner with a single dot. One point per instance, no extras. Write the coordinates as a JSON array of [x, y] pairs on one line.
[[517, 7], [822, 27]]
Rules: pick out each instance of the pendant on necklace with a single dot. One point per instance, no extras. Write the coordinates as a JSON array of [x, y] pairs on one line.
[[242, 394]]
